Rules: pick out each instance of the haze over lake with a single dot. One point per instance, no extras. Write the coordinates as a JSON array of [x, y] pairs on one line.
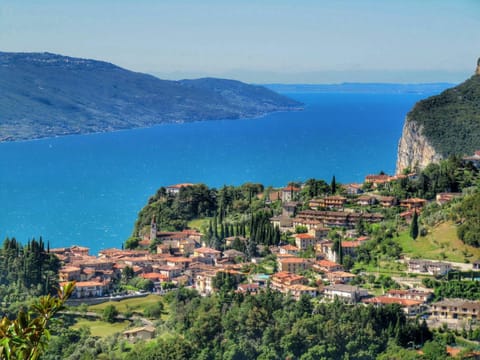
[[88, 189]]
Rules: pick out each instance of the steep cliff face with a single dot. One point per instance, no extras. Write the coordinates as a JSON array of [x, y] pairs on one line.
[[414, 149], [441, 126]]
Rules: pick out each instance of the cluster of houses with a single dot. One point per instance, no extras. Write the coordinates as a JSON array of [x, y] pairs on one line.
[[95, 276], [474, 159], [337, 211], [182, 259]]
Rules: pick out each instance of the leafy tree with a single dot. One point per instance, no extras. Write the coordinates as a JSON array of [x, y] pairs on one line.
[[348, 262], [155, 310], [468, 211], [361, 227], [132, 242], [433, 350], [395, 352], [170, 348], [27, 336], [301, 229], [127, 274], [465, 289], [145, 284], [109, 313]]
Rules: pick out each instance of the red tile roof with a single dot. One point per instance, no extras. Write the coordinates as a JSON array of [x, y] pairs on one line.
[[327, 263], [390, 300], [154, 276], [80, 284], [351, 244], [304, 236], [293, 260], [289, 247], [206, 250]]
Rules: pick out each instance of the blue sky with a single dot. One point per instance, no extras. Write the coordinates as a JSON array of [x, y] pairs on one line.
[[290, 41]]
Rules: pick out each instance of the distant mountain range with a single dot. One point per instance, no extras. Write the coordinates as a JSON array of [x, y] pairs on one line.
[[361, 88], [45, 95]]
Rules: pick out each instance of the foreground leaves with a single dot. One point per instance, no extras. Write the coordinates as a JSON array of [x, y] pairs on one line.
[[27, 336]]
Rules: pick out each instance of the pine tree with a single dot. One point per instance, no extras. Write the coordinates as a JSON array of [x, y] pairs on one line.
[[414, 226]]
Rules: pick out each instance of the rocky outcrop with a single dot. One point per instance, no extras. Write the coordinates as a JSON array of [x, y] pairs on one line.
[[442, 125], [414, 150]]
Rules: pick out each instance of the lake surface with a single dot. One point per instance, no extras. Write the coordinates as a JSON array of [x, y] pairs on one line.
[[88, 189]]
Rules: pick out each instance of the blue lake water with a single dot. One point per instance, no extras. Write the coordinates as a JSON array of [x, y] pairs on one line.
[[88, 189]]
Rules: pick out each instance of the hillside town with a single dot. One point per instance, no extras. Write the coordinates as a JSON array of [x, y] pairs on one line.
[[317, 236]]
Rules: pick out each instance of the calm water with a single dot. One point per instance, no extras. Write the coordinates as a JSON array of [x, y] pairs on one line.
[[88, 189]]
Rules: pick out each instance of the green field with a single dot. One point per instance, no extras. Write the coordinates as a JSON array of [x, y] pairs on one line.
[[390, 268], [133, 305], [441, 243], [199, 224], [101, 328]]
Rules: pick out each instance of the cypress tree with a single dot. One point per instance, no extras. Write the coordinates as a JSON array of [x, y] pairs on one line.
[[333, 185], [277, 235], [209, 230], [227, 230], [215, 227], [414, 226], [222, 232], [337, 245]]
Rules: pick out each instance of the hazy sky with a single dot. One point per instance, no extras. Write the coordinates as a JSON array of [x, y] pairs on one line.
[[257, 41]]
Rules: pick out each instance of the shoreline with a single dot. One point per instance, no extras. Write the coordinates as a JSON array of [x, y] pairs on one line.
[[178, 122]]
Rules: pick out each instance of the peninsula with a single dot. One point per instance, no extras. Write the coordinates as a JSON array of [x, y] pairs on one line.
[[47, 95]]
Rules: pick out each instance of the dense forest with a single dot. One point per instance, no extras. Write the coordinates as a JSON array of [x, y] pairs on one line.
[[468, 215], [25, 271], [232, 211], [450, 175], [464, 289], [268, 325]]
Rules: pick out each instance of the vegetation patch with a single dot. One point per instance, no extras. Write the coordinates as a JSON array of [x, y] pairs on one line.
[[441, 243], [136, 305], [101, 328], [199, 224]]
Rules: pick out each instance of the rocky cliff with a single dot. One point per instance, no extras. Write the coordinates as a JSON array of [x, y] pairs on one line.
[[442, 125], [414, 150]]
